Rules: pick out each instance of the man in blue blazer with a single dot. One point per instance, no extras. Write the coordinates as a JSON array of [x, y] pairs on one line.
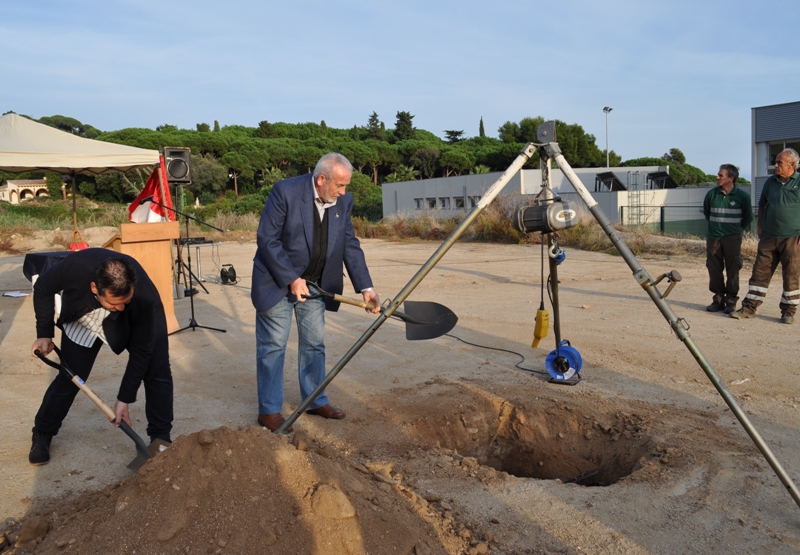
[[305, 234]]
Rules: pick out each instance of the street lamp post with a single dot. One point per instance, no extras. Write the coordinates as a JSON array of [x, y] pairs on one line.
[[607, 109]]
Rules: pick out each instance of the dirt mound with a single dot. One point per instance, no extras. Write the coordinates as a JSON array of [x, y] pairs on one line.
[[241, 491]]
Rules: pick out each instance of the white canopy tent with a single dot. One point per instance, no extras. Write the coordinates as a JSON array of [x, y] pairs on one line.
[[26, 145]]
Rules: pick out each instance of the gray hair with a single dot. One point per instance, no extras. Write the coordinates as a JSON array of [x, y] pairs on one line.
[[792, 154], [733, 171], [328, 162]]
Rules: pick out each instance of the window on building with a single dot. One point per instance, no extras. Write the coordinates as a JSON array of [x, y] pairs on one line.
[[444, 203], [776, 148], [474, 200], [431, 203], [419, 203], [459, 202]]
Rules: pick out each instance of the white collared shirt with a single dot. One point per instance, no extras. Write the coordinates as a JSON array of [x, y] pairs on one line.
[[321, 205]]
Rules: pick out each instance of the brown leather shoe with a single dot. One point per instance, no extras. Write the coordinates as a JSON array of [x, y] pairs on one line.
[[328, 411], [273, 421]]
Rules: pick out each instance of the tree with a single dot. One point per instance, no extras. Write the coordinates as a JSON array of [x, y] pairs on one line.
[[367, 198], [54, 183], [265, 130], [70, 125], [324, 127], [364, 154], [356, 133], [481, 130], [203, 128], [675, 155], [207, 175], [374, 130], [238, 165], [426, 158], [404, 128], [456, 160], [402, 173], [216, 126], [306, 156], [453, 136]]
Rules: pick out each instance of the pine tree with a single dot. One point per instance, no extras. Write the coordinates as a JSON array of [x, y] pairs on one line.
[[481, 130], [374, 127], [403, 129]]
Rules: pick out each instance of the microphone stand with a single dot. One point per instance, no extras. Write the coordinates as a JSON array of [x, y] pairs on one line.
[[192, 323]]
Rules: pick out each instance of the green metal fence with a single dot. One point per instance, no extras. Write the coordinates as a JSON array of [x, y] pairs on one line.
[[673, 219]]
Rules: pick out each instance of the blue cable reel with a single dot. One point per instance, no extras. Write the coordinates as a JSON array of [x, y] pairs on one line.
[[564, 364]]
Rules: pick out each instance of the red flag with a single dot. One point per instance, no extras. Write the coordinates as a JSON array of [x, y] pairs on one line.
[[146, 212]]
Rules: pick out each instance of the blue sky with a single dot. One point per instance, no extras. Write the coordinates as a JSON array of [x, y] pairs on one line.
[[676, 73]]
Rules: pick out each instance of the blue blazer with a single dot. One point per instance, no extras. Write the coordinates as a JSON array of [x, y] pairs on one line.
[[285, 236]]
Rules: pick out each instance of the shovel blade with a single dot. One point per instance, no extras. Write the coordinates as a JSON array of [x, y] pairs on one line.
[[138, 462], [427, 320], [142, 457]]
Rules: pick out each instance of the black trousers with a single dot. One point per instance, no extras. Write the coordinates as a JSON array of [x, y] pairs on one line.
[[724, 255], [61, 393]]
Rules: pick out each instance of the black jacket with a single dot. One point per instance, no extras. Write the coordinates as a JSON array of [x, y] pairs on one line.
[[135, 328]]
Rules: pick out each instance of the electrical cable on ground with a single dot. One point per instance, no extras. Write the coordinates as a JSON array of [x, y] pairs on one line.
[[517, 365]]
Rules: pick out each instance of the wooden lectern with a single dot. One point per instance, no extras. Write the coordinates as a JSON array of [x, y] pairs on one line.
[[151, 246]]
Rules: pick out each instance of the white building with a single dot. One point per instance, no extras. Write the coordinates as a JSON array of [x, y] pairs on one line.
[[644, 195], [17, 190]]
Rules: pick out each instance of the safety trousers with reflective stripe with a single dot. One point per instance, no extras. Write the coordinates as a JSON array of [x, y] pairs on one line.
[[771, 252]]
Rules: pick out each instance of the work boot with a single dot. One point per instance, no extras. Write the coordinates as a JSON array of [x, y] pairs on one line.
[[714, 307], [743, 312], [787, 319], [729, 308], [40, 449]]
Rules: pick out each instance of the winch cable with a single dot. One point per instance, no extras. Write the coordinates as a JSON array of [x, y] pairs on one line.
[[517, 365]]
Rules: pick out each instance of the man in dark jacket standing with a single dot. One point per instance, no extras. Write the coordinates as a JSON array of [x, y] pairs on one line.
[[106, 297], [729, 212]]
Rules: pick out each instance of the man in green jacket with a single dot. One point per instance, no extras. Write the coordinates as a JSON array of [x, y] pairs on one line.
[[778, 239], [729, 212]]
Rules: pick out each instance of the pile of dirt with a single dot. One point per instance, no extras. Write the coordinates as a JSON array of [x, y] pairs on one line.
[[243, 491], [250, 491]]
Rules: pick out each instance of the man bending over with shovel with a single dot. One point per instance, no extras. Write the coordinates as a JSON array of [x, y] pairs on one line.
[[305, 235], [106, 298]]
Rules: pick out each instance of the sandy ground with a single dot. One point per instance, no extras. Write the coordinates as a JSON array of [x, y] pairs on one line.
[[447, 447]]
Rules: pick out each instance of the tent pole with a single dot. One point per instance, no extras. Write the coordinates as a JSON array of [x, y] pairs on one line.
[[74, 205]]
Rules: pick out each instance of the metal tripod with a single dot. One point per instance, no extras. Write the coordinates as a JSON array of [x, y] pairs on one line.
[[192, 322]]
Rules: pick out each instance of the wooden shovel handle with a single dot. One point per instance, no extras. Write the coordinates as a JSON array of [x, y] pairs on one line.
[[345, 300], [79, 383], [95, 399]]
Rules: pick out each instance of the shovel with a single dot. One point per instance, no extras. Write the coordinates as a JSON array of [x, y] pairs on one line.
[[424, 320], [142, 452]]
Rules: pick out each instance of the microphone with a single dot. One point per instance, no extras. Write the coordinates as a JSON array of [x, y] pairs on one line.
[[146, 199]]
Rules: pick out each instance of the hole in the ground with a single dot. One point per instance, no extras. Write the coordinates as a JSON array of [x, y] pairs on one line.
[[546, 442]]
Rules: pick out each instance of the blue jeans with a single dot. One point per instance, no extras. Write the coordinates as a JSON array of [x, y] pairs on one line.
[[272, 334]]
